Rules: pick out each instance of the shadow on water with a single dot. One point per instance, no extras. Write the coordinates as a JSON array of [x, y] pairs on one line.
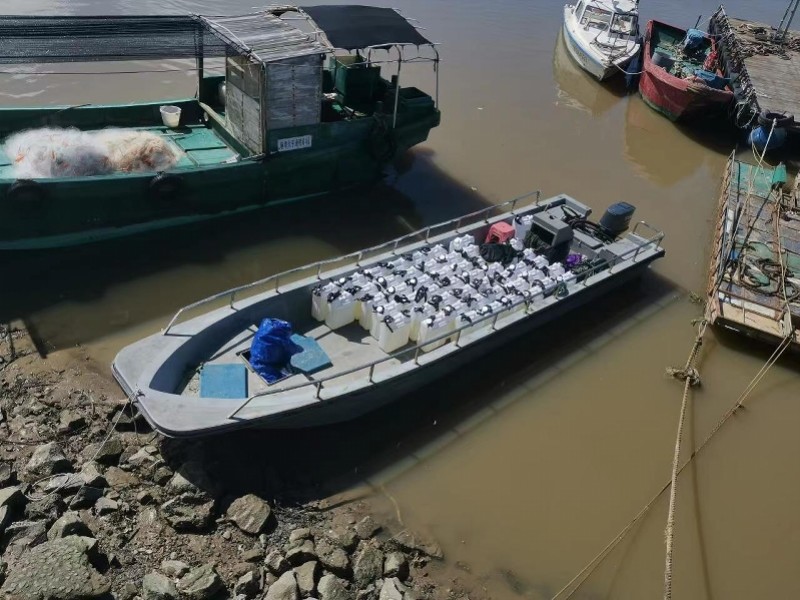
[[579, 90], [317, 462], [76, 295], [655, 145]]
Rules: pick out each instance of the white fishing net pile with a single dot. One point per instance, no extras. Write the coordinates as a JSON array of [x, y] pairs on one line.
[[56, 152]]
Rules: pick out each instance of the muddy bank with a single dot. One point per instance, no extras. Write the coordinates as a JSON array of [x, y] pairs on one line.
[[94, 504]]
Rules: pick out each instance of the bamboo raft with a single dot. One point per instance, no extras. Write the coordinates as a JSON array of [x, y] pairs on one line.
[[754, 274], [764, 65]]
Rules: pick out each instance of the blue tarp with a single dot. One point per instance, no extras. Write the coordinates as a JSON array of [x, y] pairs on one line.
[[272, 349], [712, 80], [694, 40]]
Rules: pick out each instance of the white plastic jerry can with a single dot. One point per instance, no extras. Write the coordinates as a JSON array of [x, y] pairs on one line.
[[368, 308], [379, 313], [393, 332], [341, 310], [418, 314], [482, 319], [555, 270], [437, 326], [541, 262], [567, 277], [319, 300]]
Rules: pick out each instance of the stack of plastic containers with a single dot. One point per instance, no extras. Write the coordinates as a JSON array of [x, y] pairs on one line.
[[431, 292]]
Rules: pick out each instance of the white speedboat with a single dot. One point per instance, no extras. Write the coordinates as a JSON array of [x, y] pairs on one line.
[[602, 35], [376, 325]]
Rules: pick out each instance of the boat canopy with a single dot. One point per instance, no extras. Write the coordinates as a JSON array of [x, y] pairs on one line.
[[353, 27], [261, 37]]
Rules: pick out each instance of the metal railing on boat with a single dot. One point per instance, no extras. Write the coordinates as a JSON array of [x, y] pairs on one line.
[[317, 268], [455, 336]]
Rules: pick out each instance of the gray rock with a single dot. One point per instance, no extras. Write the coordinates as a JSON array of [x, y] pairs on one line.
[[142, 458], [331, 587], [392, 589], [86, 497], [48, 509], [301, 554], [107, 453], [248, 585], [174, 568], [13, 498], [283, 589], [92, 476], [47, 459], [250, 513], [162, 475], [105, 506], [65, 484], [128, 591], [185, 514], [306, 576], [417, 544], [200, 583], [71, 421], [192, 478], [58, 569], [300, 534], [367, 565], [26, 534], [5, 519], [7, 474], [253, 555], [344, 536], [367, 527], [119, 479], [333, 557], [156, 586], [276, 563], [396, 565], [368, 593], [70, 523]]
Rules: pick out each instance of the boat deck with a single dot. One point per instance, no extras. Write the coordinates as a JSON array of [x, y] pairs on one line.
[[757, 237], [200, 146], [771, 77], [349, 347]]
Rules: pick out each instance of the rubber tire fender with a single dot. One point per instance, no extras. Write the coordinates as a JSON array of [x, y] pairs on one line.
[[782, 120], [27, 193], [165, 188]]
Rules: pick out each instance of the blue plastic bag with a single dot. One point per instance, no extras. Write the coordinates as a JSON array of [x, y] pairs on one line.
[[272, 349]]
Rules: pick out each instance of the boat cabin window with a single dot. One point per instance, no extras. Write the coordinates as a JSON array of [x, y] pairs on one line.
[[596, 18], [579, 8], [624, 24]]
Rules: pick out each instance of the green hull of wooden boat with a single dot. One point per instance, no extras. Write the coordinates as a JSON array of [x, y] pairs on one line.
[[217, 175]]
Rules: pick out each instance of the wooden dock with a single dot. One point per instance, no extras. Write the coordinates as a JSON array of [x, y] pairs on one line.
[[765, 74], [754, 276]]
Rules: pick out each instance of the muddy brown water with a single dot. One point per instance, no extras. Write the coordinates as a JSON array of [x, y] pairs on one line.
[[527, 465]]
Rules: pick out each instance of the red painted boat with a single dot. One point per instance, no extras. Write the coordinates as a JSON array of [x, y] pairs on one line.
[[682, 83]]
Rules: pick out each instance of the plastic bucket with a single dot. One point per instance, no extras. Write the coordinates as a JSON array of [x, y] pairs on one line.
[[170, 115]]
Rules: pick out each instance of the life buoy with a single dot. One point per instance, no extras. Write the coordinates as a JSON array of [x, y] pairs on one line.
[[782, 120], [26, 194], [166, 188]]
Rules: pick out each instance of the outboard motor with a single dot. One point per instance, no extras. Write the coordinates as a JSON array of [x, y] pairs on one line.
[[617, 218]]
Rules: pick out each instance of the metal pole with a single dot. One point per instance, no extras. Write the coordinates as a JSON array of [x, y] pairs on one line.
[[786, 21], [397, 86]]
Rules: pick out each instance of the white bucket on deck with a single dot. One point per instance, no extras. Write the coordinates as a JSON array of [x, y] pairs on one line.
[[170, 115]]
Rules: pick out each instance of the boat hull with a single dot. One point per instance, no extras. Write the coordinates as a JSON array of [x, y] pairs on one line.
[[676, 98], [79, 210], [349, 406], [599, 69]]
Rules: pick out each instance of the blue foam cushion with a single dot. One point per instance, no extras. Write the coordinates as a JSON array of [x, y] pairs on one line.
[[312, 359], [223, 381]]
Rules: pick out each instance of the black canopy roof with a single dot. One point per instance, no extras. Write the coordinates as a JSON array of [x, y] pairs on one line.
[[351, 27]]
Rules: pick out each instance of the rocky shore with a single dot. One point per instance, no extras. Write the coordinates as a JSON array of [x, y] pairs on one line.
[[95, 505]]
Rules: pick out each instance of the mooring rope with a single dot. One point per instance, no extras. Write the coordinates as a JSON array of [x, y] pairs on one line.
[[576, 582], [690, 380]]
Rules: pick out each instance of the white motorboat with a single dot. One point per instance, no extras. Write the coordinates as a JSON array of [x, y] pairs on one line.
[[376, 325], [602, 35]]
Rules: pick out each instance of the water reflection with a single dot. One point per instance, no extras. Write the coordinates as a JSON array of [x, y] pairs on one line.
[[579, 90]]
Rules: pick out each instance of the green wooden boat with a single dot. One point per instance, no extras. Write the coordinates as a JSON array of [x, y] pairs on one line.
[[296, 115]]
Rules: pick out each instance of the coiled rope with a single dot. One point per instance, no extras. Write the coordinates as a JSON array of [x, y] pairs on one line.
[[576, 582]]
